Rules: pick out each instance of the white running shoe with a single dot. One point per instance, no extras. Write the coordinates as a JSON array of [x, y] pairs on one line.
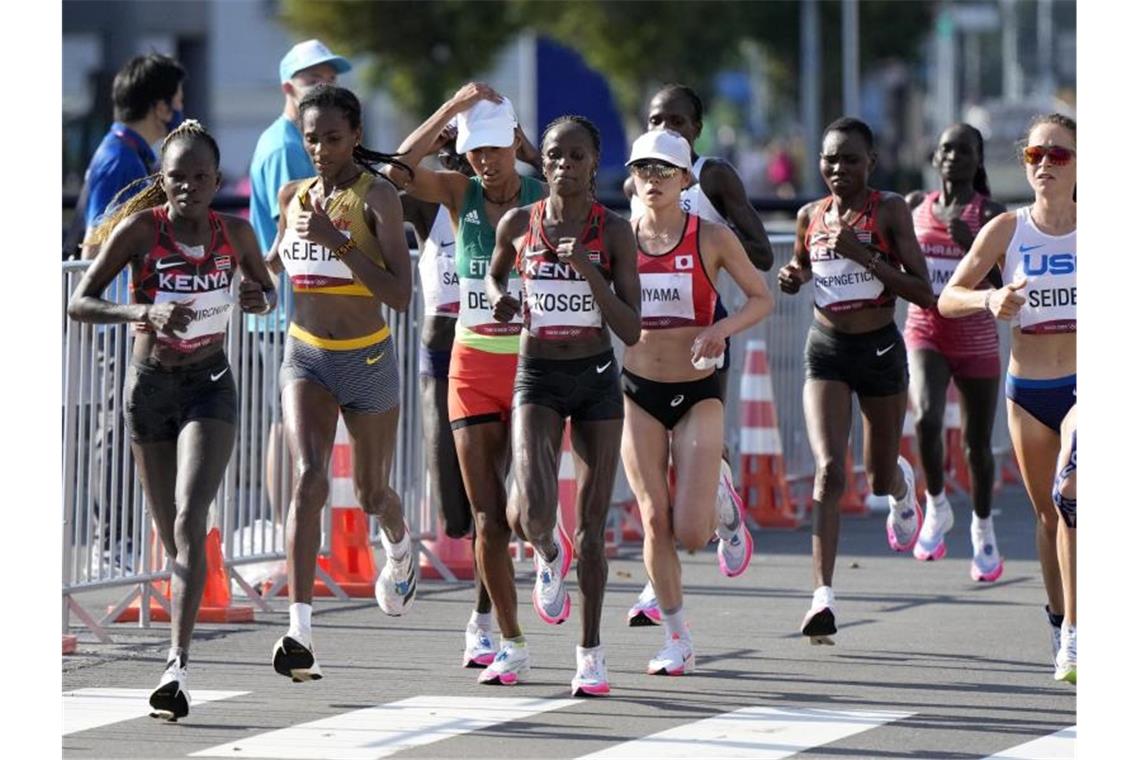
[[551, 599], [396, 586], [590, 680], [478, 651], [645, 610], [819, 622], [734, 546], [987, 564], [1065, 663], [1054, 633], [675, 658], [931, 544], [904, 523], [295, 659], [510, 666], [171, 699]]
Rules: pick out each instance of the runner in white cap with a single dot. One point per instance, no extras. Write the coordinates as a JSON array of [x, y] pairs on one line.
[[674, 404], [1036, 249]]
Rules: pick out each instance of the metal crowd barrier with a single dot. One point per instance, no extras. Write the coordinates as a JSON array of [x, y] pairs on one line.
[[108, 538]]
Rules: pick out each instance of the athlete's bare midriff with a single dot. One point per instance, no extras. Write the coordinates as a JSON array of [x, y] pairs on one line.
[[1042, 357], [665, 355]]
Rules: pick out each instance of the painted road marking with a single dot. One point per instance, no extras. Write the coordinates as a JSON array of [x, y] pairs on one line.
[[84, 709], [1059, 746]]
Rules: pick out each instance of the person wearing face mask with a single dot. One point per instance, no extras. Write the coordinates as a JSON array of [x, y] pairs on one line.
[[280, 158]]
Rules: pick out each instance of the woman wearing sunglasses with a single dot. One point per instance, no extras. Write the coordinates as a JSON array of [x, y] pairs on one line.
[[946, 222], [674, 403], [858, 247], [1036, 249]]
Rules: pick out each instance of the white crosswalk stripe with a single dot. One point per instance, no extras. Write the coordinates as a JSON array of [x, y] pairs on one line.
[[1059, 746], [383, 730], [84, 709], [759, 733]]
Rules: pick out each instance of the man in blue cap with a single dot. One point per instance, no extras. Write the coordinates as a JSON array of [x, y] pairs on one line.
[[279, 158]]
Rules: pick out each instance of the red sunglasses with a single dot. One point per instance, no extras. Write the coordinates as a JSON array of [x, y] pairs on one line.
[[1058, 156]]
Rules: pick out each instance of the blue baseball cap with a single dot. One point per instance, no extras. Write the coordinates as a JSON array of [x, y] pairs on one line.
[[310, 53]]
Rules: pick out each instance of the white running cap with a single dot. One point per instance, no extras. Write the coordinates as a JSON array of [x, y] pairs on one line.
[[662, 145], [486, 125]]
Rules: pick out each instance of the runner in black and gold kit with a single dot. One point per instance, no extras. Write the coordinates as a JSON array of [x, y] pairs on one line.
[[485, 354], [578, 267], [180, 399], [341, 239]]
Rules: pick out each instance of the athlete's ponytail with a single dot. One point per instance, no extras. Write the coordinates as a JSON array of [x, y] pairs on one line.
[[148, 192], [329, 95]]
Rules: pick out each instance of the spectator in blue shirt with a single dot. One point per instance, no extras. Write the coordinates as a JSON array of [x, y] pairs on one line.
[[147, 97]]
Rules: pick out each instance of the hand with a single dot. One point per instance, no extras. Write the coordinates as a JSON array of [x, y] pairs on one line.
[[846, 243], [446, 135], [791, 277], [505, 308], [170, 317], [472, 92], [316, 227], [1006, 300], [709, 343], [571, 251], [253, 298], [526, 152], [960, 233]]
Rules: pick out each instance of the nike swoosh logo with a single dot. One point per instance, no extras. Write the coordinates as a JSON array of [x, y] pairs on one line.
[[167, 263], [1028, 248], [680, 397], [888, 348], [217, 377], [603, 368], [372, 360], [447, 245]]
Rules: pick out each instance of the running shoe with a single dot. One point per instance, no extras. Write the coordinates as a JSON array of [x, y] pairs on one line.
[[171, 699], [645, 610], [1065, 663], [733, 553], [590, 680], [931, 544], [479, 651], [293, 659], [550, 597], [510, 666], [396, 586], [1054, 632], [904, 524], [819, 622], [675, 658], [987, 564]]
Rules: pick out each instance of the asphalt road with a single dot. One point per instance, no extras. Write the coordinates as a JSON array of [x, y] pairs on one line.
[[927, 663]]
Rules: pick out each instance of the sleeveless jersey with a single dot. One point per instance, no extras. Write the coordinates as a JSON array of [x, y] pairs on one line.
[[1049, 263], [170, 271], [676, 291], [693, 199], [973, 335], [842, 284], [438, 280], [313, 268], [558, 303], [474, 244]]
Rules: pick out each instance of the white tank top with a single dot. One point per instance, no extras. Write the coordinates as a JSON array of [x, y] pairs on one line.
[[1049, 263], [438, 280], [693, 199]]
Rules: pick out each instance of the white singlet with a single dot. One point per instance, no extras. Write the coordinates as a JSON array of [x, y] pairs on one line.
[[1049, 263]]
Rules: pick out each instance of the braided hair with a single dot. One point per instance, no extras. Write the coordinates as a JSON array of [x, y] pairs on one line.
[[595, 138], [329, 95], [148, 192]]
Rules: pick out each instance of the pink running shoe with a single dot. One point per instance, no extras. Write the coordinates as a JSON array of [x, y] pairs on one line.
[[676, 658], [733, 553], [590, 680], [511, 666], [903, 525], [550, 597], [644, 611]]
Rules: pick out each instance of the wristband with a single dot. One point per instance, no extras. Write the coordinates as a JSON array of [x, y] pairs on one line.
[[344, 248], [989, 294]]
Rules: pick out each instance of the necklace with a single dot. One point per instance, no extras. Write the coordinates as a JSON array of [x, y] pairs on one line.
[[338, 187], [504, 201], [663, 235]]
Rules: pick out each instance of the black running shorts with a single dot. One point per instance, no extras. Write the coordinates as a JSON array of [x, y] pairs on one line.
[[159, 400], [585, 390], [871, 364]]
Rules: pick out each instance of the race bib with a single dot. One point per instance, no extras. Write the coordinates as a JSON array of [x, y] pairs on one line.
[[666, 299], [561, 306], [940, 269], [311, 265], [438, 279], [841, 283], [475, 308], [211, 315], [1050, 293]]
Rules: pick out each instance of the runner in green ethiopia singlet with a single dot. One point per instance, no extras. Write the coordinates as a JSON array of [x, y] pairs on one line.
[[475, 242]]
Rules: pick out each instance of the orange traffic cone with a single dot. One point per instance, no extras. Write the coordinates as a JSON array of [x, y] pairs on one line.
[[957, 470], [765, 487], [908, 448], [350, 563], [70, 643], [217, 604]]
